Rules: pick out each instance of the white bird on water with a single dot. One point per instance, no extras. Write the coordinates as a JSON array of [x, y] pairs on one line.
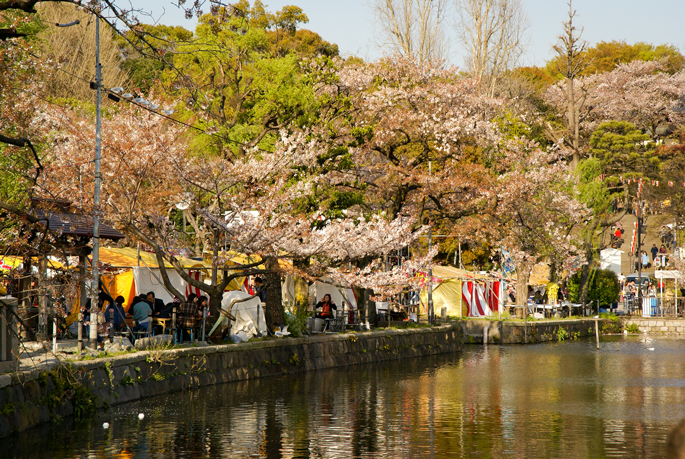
[[105, 425], [141, 416]]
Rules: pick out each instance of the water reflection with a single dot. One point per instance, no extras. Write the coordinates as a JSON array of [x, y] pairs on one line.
[[549, 400]]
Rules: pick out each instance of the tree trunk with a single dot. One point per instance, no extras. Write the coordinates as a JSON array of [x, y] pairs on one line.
[[584, 286], [522, 277], [215, 298], [572, 117], [274, 307]]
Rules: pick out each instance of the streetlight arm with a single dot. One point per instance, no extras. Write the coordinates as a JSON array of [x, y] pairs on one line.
[[68, 24]]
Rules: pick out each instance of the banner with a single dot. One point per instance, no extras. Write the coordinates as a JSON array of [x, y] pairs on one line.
[[481, 298]]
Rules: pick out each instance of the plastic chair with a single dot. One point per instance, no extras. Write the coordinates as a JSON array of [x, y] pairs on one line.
[[179, 332]]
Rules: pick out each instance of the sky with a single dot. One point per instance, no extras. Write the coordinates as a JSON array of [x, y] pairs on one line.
[[350, 24]]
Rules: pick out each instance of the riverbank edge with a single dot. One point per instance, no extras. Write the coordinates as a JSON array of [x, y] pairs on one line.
[[30, 398], [510, 332], [656, 325]]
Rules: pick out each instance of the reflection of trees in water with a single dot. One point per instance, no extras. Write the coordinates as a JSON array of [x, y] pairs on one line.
[[548, 400]]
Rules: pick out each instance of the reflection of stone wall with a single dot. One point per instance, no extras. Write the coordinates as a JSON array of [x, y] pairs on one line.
[[26, 401], [510, 332], [657, 325]]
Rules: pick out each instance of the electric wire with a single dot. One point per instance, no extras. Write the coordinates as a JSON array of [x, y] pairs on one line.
[[118, 96]]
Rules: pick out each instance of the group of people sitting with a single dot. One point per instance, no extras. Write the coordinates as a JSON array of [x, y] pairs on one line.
[[146, 306]]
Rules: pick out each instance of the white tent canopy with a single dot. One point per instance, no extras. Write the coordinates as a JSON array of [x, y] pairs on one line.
[[611, 259], [338, 295], [145, 281]]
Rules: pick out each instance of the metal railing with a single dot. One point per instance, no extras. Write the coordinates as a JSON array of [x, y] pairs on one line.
[[655, 306]]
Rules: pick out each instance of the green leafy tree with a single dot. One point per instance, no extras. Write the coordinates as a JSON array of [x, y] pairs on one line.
[[603, 286], [605, 56], [617, 150]]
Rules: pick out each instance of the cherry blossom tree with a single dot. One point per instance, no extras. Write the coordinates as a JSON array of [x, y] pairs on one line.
[[249, 204], [639, 92], [538, 211]]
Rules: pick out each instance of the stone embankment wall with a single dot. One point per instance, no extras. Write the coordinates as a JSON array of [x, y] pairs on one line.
[[656, 325], [514, 332], [30, 398]]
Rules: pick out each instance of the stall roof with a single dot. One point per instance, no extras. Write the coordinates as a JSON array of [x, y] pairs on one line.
[[71, 224], [127, 257], [538, 276], [10, 262], [449, 272]]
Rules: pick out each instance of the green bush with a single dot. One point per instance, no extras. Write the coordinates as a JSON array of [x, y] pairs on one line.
[[633, 328], [296, 321], [604, 287]]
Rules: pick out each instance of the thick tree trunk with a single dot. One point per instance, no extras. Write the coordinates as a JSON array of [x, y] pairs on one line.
[[274, 307], [214, 307], [522, 277]]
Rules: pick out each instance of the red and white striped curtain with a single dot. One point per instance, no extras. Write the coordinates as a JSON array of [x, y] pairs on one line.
[[189, 288], [481, 298]]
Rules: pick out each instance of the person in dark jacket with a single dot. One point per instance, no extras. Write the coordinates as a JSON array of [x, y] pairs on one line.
[[118, 309], [261, 290], [156, 304]]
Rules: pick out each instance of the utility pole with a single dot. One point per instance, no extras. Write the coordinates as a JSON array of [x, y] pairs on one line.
[[430, 279], [94, 309], [95, 273], [638, 214]]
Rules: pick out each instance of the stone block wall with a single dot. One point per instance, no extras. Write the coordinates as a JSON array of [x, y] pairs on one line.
[[513, 332], [655, 325], [30, 398]]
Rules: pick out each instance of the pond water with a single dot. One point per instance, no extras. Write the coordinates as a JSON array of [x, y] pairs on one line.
[[546, 400]]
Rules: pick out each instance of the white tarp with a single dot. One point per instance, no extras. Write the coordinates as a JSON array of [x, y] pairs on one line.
[[610, 259], [146, 282], [288, 289], [319, 288], [249, 315]]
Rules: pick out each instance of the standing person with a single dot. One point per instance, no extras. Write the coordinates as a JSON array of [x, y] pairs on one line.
[[140, 311], [327, 306], [156, 304], [261, 291], [645, 260], [655, 251]]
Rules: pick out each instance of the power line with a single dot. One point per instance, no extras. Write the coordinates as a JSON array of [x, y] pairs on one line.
[[119, 97]]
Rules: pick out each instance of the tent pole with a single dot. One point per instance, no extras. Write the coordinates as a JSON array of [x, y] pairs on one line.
[[461, 290]]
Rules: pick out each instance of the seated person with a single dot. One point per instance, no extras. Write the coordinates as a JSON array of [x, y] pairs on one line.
[[327, 306], [169, 309], [187, 313], [140, 311], [119, 315], [155, 303]]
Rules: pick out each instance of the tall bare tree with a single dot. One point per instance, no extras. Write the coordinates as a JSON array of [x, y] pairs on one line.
[[73, 49], [493, 34], [570, 48], [412, 27]]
